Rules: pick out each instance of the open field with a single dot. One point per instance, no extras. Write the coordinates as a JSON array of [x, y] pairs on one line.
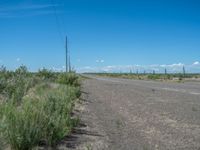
[[147, 115]]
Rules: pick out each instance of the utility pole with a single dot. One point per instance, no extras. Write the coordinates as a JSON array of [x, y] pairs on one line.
[[165, 71], [184, 71], [66, 56], [69, 64], [131, 71]]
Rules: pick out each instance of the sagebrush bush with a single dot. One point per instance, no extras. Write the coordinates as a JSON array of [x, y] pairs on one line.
[[18, 85], [45, 116], [58, 105], [23, 126], [69, 79], [22, 71], [3, 84], [1, 144], [46, 74], [154, 76]]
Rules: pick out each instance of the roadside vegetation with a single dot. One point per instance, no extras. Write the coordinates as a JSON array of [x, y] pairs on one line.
[[36, 107], [161, 77]]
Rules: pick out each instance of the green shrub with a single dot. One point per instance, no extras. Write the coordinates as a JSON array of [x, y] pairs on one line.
[[23, 125], [44, 113], [45, 116], [58, 116], [3, 84], [22, 71], [153, 76], [58, 105], [2, 145], [69, 79], [17, 87], [46, 74]]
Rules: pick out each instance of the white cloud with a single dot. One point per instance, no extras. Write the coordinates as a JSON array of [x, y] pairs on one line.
[[100, 61], [163, 66], [18, 59], [196, 63]]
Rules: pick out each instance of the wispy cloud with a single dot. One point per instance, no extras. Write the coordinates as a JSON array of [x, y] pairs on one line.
[[26, 10], [25, 7]]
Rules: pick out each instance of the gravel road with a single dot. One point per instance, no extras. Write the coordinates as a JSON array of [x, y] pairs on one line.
[[143, 115]]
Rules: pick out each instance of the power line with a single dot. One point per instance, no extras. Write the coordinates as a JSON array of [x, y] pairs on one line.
[[62, 19], [58, 23]]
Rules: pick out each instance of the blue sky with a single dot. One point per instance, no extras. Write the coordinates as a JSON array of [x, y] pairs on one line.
[[104, 35]]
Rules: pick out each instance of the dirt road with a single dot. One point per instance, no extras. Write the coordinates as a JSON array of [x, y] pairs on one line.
[[143, 115]]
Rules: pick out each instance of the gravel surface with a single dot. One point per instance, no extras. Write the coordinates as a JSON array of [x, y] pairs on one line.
[[134, 115]]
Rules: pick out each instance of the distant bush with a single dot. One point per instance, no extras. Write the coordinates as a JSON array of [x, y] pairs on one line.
[[168, 76], [69, 79], [5, 74], [154, 76], [46, 74], [22, 71], [16, 84]]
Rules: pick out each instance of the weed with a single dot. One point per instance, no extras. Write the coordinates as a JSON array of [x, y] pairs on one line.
[[88, 147], [119, 123]]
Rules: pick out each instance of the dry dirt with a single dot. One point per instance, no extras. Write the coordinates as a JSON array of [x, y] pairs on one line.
[[122, 114]]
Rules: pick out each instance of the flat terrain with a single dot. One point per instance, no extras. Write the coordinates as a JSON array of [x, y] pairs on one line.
[[136, 114]]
